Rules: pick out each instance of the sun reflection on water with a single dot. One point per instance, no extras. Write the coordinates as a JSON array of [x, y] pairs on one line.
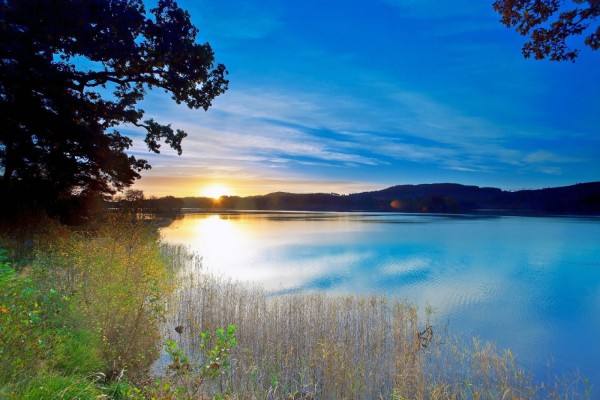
[[247, 248], [223, 244]]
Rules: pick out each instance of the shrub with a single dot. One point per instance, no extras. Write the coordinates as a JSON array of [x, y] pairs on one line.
[[117, 278], [27, 323], [82, 305]]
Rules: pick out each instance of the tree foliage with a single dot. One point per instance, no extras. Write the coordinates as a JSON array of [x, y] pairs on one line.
[[72, 73], [550, 23]]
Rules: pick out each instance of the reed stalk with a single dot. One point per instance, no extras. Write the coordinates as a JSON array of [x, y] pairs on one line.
[[315, 346]]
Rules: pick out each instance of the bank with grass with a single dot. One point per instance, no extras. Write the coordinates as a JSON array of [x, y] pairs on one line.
[[87, 314], [81, 311]]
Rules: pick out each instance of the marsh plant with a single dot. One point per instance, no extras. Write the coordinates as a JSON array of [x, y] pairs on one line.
[[316, 346], [81, 315]]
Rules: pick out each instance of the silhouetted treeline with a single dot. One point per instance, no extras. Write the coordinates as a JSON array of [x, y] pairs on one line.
[[581, 199], [135, 202]]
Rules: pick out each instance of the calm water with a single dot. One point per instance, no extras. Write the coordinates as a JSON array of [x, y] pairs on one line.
[[529, 284]]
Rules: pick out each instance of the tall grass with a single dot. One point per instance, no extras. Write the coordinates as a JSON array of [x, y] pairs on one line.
[[315, 346], [85, 307], [117, 277], [82, 304]]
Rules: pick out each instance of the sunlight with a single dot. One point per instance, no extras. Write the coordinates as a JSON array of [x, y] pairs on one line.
[[225, 244], [222, 243], [241, 247], [216, 191]]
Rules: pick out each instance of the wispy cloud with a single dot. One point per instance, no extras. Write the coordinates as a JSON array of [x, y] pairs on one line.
[[384, 93], [277, 131], [542, 156]]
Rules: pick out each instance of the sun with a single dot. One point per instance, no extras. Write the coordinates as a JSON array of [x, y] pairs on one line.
[[216, 191]]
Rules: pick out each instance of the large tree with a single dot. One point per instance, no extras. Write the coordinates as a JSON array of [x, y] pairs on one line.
[[549, 24], [71, 74]]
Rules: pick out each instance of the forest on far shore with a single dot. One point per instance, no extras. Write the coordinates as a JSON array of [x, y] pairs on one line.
[[579, 199]]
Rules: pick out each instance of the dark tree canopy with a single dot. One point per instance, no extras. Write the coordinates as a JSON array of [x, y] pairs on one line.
[[72, 71], [550, 23]]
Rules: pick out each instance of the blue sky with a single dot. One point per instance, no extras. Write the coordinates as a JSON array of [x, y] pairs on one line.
[[348, 96]]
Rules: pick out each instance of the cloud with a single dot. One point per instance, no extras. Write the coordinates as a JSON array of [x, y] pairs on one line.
[[292, 125], [279, 131], [542, 156]]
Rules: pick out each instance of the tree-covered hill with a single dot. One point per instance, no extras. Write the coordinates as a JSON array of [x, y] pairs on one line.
[[583, 198]]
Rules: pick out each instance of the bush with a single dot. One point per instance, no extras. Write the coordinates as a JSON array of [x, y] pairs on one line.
[[83, 305], [117, 278], [27, 323]]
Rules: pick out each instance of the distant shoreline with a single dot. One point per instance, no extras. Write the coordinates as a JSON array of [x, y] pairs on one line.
[[474, 213], [582, 199]]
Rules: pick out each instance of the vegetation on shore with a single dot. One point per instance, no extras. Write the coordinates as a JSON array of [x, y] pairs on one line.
[[79, 310], [83, 314], [317, 346], [449, 198]]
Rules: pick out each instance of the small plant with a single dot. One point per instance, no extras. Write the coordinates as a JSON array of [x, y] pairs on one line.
[[187, 379], [217, 350], [180, 362]]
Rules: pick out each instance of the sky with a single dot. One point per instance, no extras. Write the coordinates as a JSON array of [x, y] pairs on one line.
[[351, 96]]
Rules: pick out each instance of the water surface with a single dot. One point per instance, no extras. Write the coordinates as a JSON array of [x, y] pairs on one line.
[[528, 284]]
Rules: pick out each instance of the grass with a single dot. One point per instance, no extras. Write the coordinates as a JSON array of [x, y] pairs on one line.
[[78, 306], [315, 346], [81, 315]]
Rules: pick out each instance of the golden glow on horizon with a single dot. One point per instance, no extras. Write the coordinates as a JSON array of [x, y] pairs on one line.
[[190, 186], [216, 191]]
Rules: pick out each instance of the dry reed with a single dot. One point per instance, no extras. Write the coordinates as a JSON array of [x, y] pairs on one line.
[[316, 346]]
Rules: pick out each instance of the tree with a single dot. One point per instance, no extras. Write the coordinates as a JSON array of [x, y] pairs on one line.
[[134, 196], [72, 73], [549, 23]]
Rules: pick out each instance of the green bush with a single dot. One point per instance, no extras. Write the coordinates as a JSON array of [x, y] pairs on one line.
[[83, 308], [28, 319], [118, 280]]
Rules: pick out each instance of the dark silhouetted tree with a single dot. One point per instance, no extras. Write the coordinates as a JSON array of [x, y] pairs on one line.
[[550, 23], [72, 72]]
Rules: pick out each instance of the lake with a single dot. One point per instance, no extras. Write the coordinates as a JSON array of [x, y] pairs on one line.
[[531, 284]]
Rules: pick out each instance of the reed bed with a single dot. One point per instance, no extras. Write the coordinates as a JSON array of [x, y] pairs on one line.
[[317, 346]]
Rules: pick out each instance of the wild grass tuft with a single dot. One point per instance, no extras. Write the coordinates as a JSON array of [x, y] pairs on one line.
[[53, 386]]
